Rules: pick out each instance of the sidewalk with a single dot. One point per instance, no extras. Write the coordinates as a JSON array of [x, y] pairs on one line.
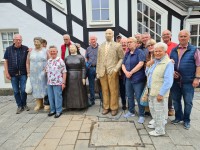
[[89, 130]]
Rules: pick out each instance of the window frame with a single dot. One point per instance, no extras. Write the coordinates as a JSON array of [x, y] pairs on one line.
[[103, 23]]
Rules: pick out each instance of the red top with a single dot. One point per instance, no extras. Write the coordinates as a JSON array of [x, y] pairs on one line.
[[170, 45], [63, 49]]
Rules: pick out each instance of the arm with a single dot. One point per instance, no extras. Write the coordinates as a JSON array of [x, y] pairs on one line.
[[64, 80], [197, 75], [137, 67], [98, 63], [28, 64], [120, 57], [6, 69]]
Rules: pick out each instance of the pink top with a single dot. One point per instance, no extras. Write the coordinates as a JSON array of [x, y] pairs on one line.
[[55, 69]]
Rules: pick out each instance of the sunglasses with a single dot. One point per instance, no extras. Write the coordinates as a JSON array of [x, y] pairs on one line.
[[150, 45]]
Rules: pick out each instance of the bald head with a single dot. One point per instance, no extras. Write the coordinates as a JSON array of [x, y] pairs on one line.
[[93, 40], [17, 40], [166, 36], [109, 35], [183, 37], [66, 38]]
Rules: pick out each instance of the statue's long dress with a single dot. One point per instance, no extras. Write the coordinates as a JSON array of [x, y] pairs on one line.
[[75, 93]]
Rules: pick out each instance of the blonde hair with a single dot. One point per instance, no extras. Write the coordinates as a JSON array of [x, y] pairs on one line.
[[151, 41], [133, 39]]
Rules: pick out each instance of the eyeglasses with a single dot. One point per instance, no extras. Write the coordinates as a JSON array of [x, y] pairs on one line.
[[150, 45], [66, 39]]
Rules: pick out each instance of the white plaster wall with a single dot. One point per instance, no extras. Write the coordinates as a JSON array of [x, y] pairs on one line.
[[77, 30], [40, 7], [175, 28], [76, 8], [22, 1], [28, 27], [123, 14], [59, 19]]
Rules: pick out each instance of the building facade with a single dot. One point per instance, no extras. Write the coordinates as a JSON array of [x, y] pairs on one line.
[[50, 19]]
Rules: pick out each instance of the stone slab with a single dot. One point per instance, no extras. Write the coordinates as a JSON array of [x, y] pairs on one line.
[[48, 144], [69, 137], [55, 132]]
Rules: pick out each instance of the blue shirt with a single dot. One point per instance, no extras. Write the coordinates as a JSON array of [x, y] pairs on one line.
[[168, 76], [131, 60], [91, 55]]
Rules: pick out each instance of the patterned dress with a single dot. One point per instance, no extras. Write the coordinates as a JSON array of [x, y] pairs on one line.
[[38, 61]]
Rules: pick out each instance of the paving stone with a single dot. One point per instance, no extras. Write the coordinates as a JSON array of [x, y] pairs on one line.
[[62, 122], [185, 148], [78, 117], [82, 145], [11, 144], [26, 148], [164, 143], [86, 127], [48, 144], [148, 147], [115, 134], [69, 137], [146, 139], [84, 136], [55, 132], [74, 125], [143, 132], [105, 148], [33, 140], [26, 118], [65, 147], [177, 137], [44, 127], [90, 119], [125, 148]]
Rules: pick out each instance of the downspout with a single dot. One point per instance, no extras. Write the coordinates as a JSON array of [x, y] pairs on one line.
[[189, 13]]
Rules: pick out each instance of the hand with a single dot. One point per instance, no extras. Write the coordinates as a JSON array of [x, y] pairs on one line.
[[176, 75], [28, 74], [150, 63], [63, 86], [195, 83], [8, 76], [172, 61], [97, 76], [30, 49], [159, 98], [128, 74], [83, 80]]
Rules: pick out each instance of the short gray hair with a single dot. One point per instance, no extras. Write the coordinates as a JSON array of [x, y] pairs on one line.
[[53, 46], [161, 45]]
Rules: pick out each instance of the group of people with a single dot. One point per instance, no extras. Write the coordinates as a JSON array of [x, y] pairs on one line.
[[129, 66]]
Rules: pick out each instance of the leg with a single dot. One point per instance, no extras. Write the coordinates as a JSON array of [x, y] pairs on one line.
[[105, 92], [23, 79], [122, 92], [176, 97], [130, 95], [51, 98], [15, 84], [91, 79], [57, 89], [170, 107]]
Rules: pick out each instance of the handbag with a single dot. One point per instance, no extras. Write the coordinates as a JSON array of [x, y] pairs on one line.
[[28, 86], [145, 97]]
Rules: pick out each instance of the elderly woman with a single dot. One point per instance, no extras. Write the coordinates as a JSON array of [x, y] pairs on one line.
[[36, 62], [133, 67], [75, 94], [56, 73], [159, 73]]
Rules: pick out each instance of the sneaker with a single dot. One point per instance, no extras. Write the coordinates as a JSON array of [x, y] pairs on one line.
[[129, 114], [186, 125], [152, 121], [19, 110], [151, 126], [176, 121], [141, 120], [154, 133], [26, 108]]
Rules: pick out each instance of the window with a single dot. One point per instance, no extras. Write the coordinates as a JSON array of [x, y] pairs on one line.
[[195, 34], [100, 13]]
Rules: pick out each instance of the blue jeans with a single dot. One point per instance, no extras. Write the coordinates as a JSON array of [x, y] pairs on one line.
[[131, 90], [19, 84], [55, 98], [91, 73], [122, 90], [187, 92]]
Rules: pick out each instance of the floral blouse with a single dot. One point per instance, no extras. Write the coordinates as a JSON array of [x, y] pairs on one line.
[[55, 69]]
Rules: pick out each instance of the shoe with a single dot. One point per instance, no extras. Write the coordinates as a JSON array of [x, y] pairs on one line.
[[51, 114], [147, 114], [171, 112], [175, 121], [141, 120], [114, 112], [26, 108], [91, 104], [151, 126], [186, 125], [105, 111], [19, 110], [152, 121], [154, 133], [57, 115], [129, 114], [124, 107], [46, 107]]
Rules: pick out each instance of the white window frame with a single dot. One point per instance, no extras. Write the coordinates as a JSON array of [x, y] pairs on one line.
[[190, 22], [60, 4], [103, 23], [1, 43], [154, 6]]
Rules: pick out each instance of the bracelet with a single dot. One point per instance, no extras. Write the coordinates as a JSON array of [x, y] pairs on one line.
[[63, 83]]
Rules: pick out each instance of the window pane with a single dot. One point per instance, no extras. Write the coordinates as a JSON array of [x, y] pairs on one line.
[[146, 21], [139, 26], [152, 25], [158, 38], [152, 14], [145, 29], [96, 15], [194, 29], [158, 29], [10, 43], [16, 32], [104, 14], [152, 35], [139, 5], [158, 18], [194, 40], [5, 44], [10, 35], [145, 9], [199, 31], [139, 17], [104, 4], [95, 4], [4, 36]]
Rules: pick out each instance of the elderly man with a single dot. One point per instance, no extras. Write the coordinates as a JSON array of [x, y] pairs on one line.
[[65, 47], [144, 38], [159, 72], [166, 37], [118, 38], [109, 61], [15, 70], [91, 61], [186, 77]]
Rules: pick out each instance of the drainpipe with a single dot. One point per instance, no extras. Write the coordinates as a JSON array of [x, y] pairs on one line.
[[189, 13]]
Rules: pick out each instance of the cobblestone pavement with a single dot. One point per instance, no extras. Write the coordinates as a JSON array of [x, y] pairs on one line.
[[89, 130]]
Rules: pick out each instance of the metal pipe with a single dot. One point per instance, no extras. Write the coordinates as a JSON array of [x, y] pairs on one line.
[[189, 13]]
